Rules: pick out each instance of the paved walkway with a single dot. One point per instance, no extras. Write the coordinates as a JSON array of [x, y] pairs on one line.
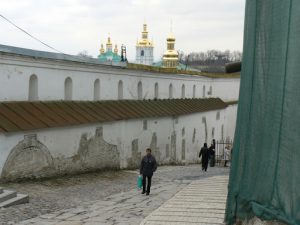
[[127, 208], [202, 202], [185, 201]]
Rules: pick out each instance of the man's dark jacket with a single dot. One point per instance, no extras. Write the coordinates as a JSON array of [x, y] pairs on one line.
[[148, 165], [205, 155]]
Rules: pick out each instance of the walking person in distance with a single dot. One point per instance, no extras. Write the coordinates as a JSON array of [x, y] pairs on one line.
[[147, 168], [212, 155], [204, 152], [226, 155]]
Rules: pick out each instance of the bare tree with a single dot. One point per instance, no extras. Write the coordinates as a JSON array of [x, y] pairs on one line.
[[211, 57], [84, 54]]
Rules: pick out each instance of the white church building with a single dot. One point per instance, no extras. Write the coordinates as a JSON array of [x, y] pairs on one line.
[[61, 114], [144, 49]]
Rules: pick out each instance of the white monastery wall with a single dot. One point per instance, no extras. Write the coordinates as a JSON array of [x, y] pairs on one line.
[[78, 148], [15, 74], [119, 144]]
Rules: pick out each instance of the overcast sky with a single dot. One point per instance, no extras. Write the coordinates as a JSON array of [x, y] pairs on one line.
[[72, 26]]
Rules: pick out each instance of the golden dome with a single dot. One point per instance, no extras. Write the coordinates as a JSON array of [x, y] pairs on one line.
[[109, 45], [116, 49], [170, 57], [102, 49], [144, 41], [108, 42]]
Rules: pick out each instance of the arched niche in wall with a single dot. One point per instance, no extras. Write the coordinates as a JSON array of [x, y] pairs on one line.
[[97, 90], [68, 88], [120, 90], [170, 91], [156, 91], [33, 88], [194, 91], [28, 159], [183, 91], [140, 90]]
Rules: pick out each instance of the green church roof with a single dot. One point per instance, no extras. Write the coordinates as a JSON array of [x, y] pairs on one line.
[[109, 56]]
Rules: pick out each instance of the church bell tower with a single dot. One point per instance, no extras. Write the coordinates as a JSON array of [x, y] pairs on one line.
[[144, 49]]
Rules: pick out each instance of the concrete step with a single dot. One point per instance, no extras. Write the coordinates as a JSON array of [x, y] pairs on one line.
[[19, 199], [6, 195]]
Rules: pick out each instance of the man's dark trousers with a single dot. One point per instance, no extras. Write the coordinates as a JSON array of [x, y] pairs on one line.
[[148, 183]]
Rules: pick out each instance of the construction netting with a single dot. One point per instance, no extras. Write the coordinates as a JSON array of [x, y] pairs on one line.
[[265, 173]]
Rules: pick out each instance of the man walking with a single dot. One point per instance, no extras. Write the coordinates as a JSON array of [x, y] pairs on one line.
[[205, 155], [147, 168]]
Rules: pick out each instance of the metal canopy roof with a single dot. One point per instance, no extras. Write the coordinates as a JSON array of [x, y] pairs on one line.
[[23, 116]]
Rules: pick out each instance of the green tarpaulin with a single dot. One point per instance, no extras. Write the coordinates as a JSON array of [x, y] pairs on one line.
[[265, 173]]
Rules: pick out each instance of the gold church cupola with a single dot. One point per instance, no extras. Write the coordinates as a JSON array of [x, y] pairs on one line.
[[116, 49], [102, 49], [144, 41], [170, 58], [108, 45]]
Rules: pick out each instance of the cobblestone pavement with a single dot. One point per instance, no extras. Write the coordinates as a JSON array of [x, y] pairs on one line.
[[108, 197]]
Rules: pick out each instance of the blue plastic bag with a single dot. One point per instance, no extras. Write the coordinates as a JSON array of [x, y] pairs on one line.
[[139, 182]]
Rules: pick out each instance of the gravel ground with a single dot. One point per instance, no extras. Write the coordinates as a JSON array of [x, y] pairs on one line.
[[47, 196]]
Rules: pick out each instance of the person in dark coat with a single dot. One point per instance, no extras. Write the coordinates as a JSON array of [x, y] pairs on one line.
[[147, 168], [214, 143], [212, 150], [204, 152]]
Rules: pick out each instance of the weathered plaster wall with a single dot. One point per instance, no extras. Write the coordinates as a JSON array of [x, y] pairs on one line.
[[28, 158], [116, 145], [37, 154], [15, 72]]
